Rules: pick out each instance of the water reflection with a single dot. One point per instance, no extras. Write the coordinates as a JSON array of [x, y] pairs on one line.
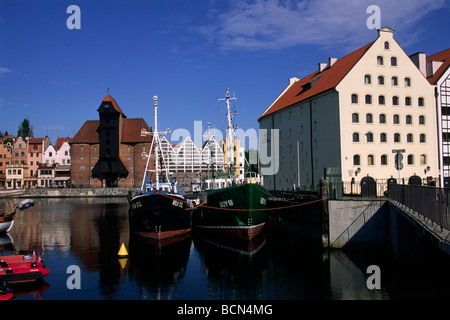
[[89, 233], [158, 269]]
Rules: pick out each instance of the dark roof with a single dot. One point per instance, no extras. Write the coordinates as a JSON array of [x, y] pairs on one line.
[[108, 98]]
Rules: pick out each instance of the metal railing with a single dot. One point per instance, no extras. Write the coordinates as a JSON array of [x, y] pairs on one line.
[[430, 202]]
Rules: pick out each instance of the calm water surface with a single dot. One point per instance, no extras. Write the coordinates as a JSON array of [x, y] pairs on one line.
[[88, 233]]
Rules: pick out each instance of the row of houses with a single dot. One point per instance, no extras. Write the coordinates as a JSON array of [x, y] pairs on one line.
[[34, 162], [375, 112], [109, 152]]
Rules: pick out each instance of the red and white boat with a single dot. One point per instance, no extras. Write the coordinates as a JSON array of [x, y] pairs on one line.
[[22, 268], [7, 219]]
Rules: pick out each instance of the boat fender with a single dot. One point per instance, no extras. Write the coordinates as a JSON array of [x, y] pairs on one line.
[[3, 264]]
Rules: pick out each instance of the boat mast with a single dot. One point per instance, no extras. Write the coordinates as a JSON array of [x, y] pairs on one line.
[[156, 139], [230, 130]]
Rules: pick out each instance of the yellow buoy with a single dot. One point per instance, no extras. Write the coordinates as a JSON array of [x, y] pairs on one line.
[[123, 251]]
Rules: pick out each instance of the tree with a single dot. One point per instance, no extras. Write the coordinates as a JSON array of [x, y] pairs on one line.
[[25, 129]]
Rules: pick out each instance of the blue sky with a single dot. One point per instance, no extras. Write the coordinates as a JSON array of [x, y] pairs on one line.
[[188, 52]]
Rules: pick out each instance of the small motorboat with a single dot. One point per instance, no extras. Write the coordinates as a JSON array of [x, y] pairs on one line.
[[7, 219], [22, 268], [6, 292]]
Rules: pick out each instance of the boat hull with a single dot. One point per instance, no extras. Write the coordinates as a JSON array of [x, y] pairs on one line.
[[6, 223], [21, 269], [236, 211], [159, 217]]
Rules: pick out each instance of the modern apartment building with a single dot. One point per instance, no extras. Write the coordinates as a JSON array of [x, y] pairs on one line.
[[349, 118]]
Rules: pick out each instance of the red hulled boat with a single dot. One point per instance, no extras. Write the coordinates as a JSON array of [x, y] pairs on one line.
[[22, 268]]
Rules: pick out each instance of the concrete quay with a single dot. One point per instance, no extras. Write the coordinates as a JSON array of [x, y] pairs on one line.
[[66, 193]]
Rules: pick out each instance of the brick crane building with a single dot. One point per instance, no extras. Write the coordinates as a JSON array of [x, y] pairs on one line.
[[109, 152]]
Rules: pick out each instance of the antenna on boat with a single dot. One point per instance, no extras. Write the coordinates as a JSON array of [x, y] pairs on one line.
[[230, 130]]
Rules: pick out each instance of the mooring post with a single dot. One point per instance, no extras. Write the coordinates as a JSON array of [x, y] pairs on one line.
[[325, 216]]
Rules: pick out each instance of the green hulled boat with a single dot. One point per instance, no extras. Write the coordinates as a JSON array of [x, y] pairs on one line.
[[239, 211], [229, 205]]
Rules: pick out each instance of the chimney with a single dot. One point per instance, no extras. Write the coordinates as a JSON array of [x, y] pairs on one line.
[[420, 60], [331, 61], [322, 66]]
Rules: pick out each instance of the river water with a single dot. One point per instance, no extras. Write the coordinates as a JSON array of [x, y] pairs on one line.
[[88, 233]]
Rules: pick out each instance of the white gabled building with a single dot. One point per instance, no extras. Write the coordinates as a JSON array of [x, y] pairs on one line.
[[346, 118]]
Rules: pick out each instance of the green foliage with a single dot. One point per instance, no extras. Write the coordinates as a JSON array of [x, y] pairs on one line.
[[25, 129]]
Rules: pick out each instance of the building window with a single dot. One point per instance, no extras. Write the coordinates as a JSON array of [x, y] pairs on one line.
[[369, 118], [407, 82], [397, 137], [421, 119], [396, 119], [369, 137], [408, 101], [422, 138], [367, 79], [423, 159], [381, 80], [355, 118], [421, 102], [381, 100], [394, 81], [356, 160], [395, 100], [384, 160], [354, 98], [409, 138], [370, 160], [386, 45], [355, 137], [410, 159], [383, 137], [382, 118], [393, 61], [380, 61], [408, 119], [368, 99]]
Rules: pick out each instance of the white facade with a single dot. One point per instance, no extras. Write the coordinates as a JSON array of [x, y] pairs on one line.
[[53, 156], [382, 103]]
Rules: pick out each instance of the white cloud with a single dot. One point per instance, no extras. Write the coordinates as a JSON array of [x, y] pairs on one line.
[[277, 24], [5, 70]]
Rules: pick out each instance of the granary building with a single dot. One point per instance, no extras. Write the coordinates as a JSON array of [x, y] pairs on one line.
[[348, 119]]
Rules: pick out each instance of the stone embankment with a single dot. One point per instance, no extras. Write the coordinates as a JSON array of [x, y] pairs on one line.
[[67, 193]]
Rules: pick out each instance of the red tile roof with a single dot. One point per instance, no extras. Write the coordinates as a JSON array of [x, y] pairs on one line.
[[87, 133], [440, 56], [131, 132], [320, 82], [60, 141], [108, 98]]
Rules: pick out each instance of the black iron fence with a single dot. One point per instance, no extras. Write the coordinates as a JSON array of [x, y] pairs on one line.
[[430, 202]]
